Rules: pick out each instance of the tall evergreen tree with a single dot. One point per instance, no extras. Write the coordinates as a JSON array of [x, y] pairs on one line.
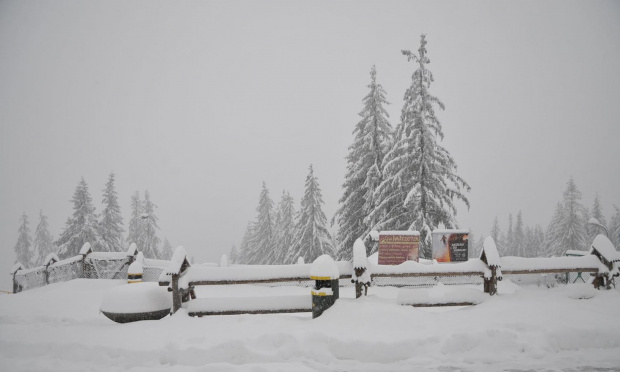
[[420, 183], [312, 238], [597, 212], [166, 250], [519, 237], [261, 244], [509, 241], [23, 252], [496, 234], [371, 138], [245, 248], [573, 226], [82, 226], [43, 242], [234, 255], [284, 228], [111, 221], [553, 238], [614, 228], [150, 240], [134, 234]]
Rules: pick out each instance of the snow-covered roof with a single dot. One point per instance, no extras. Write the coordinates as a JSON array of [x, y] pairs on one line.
[[85, 249], [179, 254], [510, 264], [406, 232], [605, 248], [451, 231], [359, 255], [490, 253], [324, 268], [18, 266], [50, 259]]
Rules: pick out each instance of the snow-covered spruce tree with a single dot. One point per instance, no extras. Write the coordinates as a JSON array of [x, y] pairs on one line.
[[23, 252], [573, 226], [134, 233], [150, 240], [43, 243], [261, 241], [519, 237], [420, 183], [82, 226], [166, 250], [233, 255], [535, 240], [244, 249], [553, 239], [597, 212], [496, 234], [372, 135], [509, 241], [614, 228], [111, 221], [312, 238], [284, 228]]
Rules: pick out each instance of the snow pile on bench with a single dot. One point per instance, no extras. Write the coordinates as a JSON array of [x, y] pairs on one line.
[[587, 263], [324, 268], [249, 305], [471, 267], [256, 273], [441, 295]]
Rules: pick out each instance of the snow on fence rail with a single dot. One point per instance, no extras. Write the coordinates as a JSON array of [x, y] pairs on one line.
[[181, 277], [87, 264]]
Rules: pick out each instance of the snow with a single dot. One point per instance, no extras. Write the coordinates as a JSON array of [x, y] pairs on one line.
[[412, 267], [572, 252], [50, 259], [581, 291], [451, 231], [67, 261], [490, 252], [441, 294], [107, 255], [59, 328], [359, 254], [551, 263], [136, 298], [323, 268], [135, 268], [132, 249], [149, 262], [605, 248], [86, 248], [18, 266], [262, 303]]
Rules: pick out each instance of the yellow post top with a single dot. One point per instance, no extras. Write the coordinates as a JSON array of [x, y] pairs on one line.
[[322, 278], [321, 294]]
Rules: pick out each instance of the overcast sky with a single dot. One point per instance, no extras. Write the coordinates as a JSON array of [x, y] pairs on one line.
[[200, 102]]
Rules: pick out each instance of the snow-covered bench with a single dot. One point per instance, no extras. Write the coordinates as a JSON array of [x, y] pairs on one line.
[[182, 278]]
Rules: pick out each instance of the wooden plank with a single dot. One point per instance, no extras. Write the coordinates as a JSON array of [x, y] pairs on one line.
[[254, 281], [407, 275], [238, 312]]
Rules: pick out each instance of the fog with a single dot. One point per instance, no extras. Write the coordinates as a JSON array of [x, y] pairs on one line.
[[200, 102]]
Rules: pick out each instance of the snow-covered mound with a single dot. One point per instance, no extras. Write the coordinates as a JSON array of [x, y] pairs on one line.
[[59, 328]]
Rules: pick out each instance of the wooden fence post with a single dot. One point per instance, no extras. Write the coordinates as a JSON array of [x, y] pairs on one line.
[[176, 296]]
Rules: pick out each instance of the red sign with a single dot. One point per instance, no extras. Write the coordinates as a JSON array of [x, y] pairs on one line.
[[398, 246]]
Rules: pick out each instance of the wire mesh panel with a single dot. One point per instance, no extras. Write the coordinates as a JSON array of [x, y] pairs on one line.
[[541, 280], [62, 273], [426, 281], [105, 269], [30, 279], [151, 274]]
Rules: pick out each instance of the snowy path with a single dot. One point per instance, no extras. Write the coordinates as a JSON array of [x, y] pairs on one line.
[[58, 327]]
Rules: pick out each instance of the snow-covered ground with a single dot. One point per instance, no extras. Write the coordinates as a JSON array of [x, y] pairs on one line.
[[59, 328]]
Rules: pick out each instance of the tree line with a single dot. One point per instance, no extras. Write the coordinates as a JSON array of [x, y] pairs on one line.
[[104, 231], [569, 228]]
